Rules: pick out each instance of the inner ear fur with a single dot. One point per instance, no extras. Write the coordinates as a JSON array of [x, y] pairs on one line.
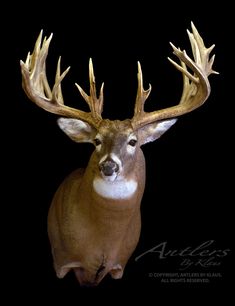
[[153, 131], [77, 130]]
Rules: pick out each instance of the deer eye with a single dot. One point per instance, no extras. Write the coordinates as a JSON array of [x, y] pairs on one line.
[[97, 141], [132, 142]]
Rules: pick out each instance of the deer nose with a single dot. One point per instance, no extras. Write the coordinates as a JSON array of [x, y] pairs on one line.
[[108, 167]]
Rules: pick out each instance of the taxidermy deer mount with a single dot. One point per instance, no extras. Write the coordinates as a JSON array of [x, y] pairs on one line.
[[94, 220]]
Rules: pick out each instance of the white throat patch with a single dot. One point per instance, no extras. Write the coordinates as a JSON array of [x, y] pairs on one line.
[[119, 189]]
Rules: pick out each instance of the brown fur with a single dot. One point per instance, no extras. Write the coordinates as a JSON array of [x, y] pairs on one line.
[[89, 233]]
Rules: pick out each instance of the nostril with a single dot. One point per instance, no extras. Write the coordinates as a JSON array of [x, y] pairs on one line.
[[108, 168], [116, 168]]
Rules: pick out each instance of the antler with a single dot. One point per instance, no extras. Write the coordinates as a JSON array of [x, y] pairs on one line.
[[35, 85], [196, 87]]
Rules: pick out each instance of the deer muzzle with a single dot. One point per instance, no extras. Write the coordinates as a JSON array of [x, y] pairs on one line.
[[108, 167]]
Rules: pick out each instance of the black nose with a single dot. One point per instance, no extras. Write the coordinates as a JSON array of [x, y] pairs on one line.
[[108, 167]]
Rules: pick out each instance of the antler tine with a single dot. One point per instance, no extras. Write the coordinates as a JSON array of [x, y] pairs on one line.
[[57, 91], [92, 80], [200, 52], [142, 94], [196, 86], [36, 86], [95, 104]]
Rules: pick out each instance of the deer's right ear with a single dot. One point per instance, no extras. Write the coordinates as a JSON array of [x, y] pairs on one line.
[[77, 130]]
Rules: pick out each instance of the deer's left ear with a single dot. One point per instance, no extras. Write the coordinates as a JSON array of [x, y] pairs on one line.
[[153, 131]]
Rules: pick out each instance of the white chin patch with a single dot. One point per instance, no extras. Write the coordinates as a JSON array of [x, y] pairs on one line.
[[109, 178], [116, 189]]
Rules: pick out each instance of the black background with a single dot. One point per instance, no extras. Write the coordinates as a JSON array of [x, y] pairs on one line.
[[188, 195]]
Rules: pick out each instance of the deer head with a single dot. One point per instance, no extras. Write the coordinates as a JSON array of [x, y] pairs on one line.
[[105, 198]]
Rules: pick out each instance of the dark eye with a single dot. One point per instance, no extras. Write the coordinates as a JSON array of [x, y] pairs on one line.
[[132, 142], [97, 141]]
